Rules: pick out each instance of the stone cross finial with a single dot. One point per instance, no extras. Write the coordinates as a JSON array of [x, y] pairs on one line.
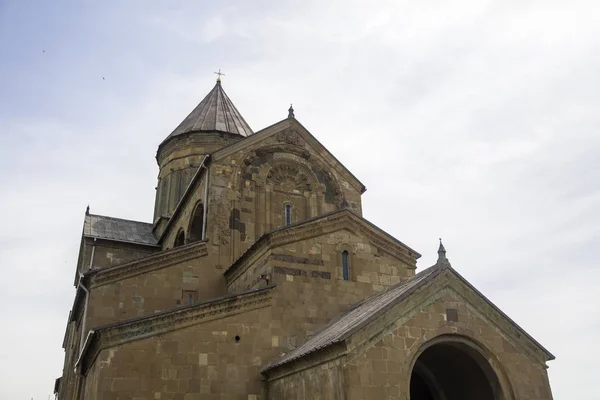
[[219, 73], [291, 112]]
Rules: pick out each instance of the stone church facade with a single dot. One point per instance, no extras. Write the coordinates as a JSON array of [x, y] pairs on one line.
[[260, 279]]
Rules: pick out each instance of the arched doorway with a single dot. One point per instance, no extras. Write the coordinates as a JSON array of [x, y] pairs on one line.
[[453, 370]]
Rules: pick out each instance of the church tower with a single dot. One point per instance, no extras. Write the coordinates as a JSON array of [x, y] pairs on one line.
[[213, 124]]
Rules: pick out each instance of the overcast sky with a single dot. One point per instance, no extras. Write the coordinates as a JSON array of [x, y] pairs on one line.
[[474, 121]]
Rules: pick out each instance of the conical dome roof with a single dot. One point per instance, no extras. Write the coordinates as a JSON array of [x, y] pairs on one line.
[[215, 112]]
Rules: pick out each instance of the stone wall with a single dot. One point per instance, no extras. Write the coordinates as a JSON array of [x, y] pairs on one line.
[[71, 348], [178, 160], [160, 286], [310, 287], [323, 382], [110, 253], [219, 359]]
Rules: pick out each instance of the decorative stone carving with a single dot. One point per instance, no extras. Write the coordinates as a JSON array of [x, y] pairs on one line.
[[288, 178], [250, 158], [289, 136]]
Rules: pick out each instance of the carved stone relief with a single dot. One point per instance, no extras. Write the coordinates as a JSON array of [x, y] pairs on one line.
[[288, 178], [289, 136]]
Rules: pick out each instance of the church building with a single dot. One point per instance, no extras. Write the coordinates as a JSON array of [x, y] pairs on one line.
[[260, 279]]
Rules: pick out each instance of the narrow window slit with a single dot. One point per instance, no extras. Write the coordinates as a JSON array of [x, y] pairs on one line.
[[288, 214], [345, 266]]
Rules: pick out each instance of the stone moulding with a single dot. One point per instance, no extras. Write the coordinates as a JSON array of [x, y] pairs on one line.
[[154, 262], [322, 225], [112, 335]]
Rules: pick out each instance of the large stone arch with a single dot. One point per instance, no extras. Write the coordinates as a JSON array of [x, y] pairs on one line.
[[255, 208], [257, 160], [463, 342], [287, 182]]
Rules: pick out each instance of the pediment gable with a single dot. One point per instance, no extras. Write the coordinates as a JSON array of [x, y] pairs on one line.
[[322, 225], [430, 291], [291, 136], [448, 290]]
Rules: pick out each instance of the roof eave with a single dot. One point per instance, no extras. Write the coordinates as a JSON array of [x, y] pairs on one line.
[[122, 241]]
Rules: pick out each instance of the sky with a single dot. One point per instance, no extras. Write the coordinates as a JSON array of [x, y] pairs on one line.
[[473, 121]]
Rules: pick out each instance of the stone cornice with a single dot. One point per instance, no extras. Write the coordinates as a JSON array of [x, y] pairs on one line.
[[153, 262], [327, 223], [112, 335]]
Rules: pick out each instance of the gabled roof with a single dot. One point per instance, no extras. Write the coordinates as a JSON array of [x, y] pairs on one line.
[[362, 313], [326, 223], [117, 229], [215, 112], [290, 123], [359, 314]]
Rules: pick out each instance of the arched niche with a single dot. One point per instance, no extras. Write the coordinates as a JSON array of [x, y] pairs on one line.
[[252, 170], [291, 192], [179, 239], [197, 223]]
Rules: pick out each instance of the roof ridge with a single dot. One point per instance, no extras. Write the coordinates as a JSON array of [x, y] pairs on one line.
[[120, 219]]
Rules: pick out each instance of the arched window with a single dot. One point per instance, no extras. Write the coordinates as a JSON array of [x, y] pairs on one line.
[[288, 214], [197, 224], [180, 239], [345, 266]]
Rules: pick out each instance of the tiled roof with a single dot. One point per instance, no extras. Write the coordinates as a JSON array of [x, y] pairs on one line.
[[215, 112], [357, 317], [123, 230]]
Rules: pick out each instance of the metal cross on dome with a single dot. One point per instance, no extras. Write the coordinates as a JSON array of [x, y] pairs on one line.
[[219, 73]]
